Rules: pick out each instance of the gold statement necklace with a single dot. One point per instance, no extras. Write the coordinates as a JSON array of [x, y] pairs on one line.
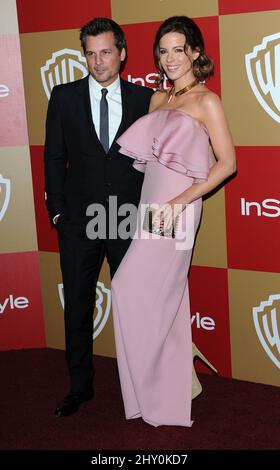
[[183, 90]]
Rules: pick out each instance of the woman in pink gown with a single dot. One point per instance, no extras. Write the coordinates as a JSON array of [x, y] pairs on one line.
[[150, 296]]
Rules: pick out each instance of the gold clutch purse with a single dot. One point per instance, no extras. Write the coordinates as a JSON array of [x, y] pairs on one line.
[[148, 225]]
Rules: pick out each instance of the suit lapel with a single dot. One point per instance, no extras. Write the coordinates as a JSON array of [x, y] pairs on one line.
[[127, 113], [89, 127], [127, 108]]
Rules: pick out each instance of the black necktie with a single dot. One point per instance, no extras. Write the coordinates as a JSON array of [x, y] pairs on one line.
[[104, 120]]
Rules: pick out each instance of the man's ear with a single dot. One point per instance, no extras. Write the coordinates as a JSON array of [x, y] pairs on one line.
[[123, 54]]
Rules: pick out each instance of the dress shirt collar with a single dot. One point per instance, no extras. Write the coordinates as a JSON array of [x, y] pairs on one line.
[[96, 87]]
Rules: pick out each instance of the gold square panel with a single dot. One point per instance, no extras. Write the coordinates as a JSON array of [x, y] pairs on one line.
[[17, 217], [49, 58], [125, 11], [249, 65], [254, 301]]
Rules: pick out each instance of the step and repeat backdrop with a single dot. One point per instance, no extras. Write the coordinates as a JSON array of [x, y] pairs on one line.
[[234, 279]]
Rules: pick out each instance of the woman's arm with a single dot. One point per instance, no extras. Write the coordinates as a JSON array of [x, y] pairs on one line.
[[213, 116], [215, 121]]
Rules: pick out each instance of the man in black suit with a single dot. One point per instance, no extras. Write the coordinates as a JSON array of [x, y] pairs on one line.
[[83, 167]]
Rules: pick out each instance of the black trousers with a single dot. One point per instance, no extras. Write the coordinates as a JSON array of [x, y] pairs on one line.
[[81, 260]]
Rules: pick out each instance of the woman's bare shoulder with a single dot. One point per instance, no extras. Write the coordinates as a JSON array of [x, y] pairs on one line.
[[208, 99], [211, 109]]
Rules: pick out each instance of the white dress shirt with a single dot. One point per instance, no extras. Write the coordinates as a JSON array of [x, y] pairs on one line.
[[114, 99]]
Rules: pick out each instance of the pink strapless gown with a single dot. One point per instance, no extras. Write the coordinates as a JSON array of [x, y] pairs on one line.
[[150, 296]]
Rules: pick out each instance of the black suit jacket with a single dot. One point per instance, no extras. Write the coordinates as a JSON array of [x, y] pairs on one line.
[[78, 172]]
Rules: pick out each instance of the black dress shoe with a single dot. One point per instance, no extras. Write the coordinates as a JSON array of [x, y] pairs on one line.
[[71, 403]]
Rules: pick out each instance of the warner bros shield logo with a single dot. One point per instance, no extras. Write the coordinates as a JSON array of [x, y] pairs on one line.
[[263, 71], [102, 306], [64, 66], [5, 195], [266, 319]]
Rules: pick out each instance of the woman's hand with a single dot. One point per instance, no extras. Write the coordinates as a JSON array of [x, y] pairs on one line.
[[164, 216]]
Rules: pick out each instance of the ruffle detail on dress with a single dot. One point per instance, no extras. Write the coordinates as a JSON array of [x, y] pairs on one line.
[[178, 162], [171, 137]]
